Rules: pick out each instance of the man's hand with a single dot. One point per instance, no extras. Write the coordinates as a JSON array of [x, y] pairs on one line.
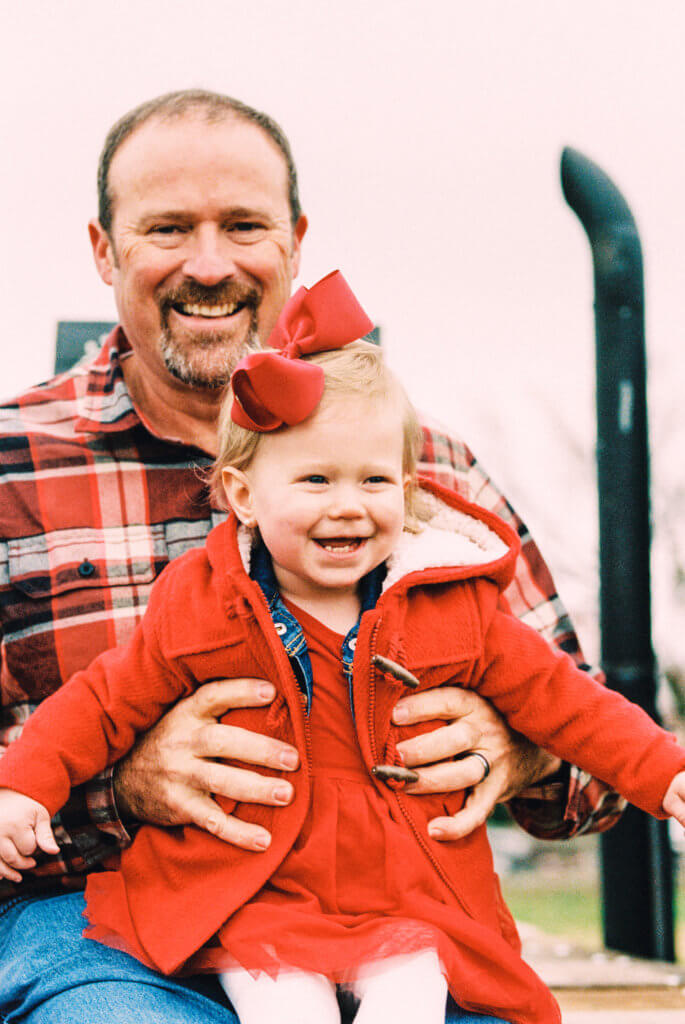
[[473, 726], [169, 776]]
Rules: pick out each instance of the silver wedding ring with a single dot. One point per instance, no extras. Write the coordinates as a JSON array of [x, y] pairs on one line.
[[486, 764]]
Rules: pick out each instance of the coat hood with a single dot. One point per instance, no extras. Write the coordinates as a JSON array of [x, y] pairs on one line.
[[455, 540]]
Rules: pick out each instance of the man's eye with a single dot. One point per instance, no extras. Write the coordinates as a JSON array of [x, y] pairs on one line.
[[166, 229], [250, 230]]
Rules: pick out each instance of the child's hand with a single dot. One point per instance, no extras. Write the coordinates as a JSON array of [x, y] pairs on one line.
[[24, 825], [674, 801]]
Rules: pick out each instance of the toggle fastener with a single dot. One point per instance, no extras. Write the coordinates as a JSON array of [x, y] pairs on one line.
[[395, 670]]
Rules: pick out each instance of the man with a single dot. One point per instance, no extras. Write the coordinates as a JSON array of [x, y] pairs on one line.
[[199, 235]]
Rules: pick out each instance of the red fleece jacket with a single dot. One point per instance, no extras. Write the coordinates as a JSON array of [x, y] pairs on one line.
[[173, 888]]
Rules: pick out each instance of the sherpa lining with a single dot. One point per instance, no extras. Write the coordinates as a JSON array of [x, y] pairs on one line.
[[247, 538], [449, 537]]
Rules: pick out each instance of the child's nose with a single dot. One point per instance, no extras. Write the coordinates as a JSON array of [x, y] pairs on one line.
[[345, 503]]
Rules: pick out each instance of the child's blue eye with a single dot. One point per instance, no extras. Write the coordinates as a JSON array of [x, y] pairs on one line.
[[316, 478]]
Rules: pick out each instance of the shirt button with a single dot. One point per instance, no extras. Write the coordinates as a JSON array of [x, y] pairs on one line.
[[281, 628], [352, 643], [86, 569]]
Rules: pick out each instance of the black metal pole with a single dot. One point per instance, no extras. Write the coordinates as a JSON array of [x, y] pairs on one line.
[[636, 862]]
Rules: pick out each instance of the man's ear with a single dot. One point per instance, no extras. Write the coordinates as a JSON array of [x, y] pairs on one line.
[[298, 234], [103, 251], [238, 494]]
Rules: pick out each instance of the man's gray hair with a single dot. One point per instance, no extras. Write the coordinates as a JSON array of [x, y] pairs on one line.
[[215, 107]]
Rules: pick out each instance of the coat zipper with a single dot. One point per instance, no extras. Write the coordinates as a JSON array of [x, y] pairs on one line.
[[283, 665], [372, 693], [406, 813], [429, 853]]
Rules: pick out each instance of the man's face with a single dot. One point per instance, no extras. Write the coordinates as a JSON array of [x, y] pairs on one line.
[[202, 250]]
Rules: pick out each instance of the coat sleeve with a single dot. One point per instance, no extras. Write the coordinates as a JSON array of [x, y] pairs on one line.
[[542, 694], [575, 803], [93, 719]]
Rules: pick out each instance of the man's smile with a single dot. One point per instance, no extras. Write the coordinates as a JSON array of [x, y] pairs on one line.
[[205, 305], [208, 312]]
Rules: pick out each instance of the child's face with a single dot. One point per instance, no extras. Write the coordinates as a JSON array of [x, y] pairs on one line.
[[327, 495]]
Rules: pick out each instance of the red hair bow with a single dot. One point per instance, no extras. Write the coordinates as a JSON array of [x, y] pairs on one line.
[[273, 389]]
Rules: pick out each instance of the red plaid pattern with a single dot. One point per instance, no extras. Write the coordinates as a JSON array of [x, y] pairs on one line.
[[94, 506]]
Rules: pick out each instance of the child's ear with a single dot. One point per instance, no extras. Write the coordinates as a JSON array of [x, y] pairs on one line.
[[238, 494]]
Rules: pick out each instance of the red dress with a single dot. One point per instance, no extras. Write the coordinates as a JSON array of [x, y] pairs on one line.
[[355, 886]]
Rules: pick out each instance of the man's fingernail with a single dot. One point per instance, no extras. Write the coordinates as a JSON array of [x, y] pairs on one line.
[[262, 842], [282, 794], [289, 759], [400, 715], [266, 691]]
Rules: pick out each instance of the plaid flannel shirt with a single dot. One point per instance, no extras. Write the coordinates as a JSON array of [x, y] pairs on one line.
[[93, 506]]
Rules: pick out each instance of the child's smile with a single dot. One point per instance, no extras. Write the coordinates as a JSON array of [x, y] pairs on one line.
[[340, 546]]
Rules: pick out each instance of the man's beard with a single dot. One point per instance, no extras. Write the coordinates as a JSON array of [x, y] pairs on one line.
[[206, 360]]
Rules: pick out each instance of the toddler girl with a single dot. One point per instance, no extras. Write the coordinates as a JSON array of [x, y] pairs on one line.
[[334, 567]]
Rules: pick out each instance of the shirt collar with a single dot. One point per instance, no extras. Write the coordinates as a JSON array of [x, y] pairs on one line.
[[106, 406]]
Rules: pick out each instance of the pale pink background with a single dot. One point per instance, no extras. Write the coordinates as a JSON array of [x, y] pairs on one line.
[[428, 138]]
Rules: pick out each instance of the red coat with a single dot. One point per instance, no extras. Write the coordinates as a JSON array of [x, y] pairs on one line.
[[207, 620]]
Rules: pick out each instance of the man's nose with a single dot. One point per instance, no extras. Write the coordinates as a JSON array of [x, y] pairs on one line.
[[210, 257]]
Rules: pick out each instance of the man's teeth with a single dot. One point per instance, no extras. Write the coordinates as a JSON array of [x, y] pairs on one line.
[[226, 310]]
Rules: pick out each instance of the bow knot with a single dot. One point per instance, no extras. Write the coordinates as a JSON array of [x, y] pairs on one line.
[[273, 389]]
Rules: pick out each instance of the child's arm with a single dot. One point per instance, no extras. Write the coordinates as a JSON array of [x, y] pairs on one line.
[[674, 801], [24, 825], [93, 719], [544, 696]]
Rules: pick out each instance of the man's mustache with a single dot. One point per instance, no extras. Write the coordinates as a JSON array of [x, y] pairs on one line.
[[224, 293]]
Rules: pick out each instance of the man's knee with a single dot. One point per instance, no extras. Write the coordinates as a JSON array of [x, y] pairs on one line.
[[50, 974]]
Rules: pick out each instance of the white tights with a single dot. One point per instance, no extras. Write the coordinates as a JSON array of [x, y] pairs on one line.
[[404, 989]]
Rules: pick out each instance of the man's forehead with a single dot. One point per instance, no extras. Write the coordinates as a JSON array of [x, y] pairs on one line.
[[171, 150]]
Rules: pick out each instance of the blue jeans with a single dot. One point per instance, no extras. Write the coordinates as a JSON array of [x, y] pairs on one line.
[[50, 974]]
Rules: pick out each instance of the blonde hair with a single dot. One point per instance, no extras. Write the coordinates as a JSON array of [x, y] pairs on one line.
[[355, 369]]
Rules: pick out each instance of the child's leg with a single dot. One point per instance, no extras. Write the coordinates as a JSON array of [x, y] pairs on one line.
[[294, 997], [402, 989]]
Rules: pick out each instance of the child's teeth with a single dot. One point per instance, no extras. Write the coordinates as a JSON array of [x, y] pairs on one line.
[[337, 546]]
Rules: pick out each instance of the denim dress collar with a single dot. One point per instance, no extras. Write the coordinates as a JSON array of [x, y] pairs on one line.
[[289, 629]]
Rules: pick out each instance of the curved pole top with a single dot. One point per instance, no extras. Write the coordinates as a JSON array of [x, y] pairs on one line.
[[592, 195]]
